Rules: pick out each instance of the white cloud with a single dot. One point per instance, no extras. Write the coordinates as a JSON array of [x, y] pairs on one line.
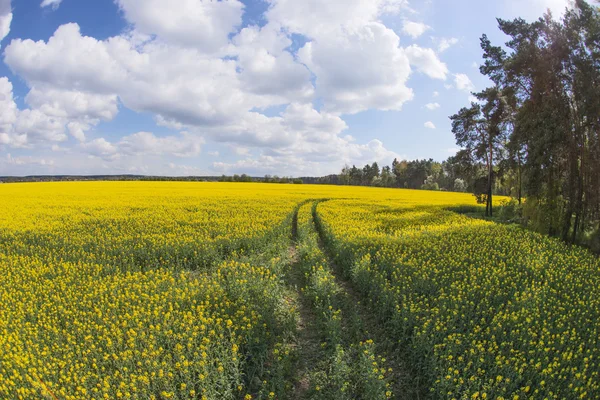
[[432, 106], [25, 160], [266, 68], [463, 82], [20, 128], [63, 94], [380, 84], [240, 150], [414, 29], [185, 64], [5, 18], [187, 170], [436, 94], [176, 84], [297, 165], [444, 44], [78, 129], [299, 127], [71, 61], [202, 24], [8, 107], [429, 125], [146, 143], [100, 148], [72, 104], [427, 62], [51, 110], [317, 18], [310, 143], [349, 33], [52, 3]]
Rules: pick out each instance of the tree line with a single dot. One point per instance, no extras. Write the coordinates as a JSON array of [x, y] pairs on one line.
[[451, 175], [540, 120], [266, 179], [534, 134]]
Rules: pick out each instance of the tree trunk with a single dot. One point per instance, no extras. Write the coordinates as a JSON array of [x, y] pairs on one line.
[[571, 196], [490, 178], [490, 197], [567, 223], [520, 182], [579, 204]]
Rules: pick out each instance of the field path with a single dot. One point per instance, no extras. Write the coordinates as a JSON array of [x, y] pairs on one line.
[[358, 324], [361, 324], [308, 335]]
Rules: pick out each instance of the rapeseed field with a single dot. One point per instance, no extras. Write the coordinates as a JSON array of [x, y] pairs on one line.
[[169, 290]]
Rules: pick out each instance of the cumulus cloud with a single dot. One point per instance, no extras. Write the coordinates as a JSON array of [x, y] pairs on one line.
[[463, 82], [380, 85], [414, 29], [429, 125], [5, 18], [187, 170], [25, 160], [432, 106], [444, 44], [427, 62], [100, 148], [78, 129], [349, 33], [71, 73], [51, 112], [8, 107], [40, 127], [201, 24], [193, 67], [71, 61], [298, 165], [18, 128], [52, 3], [310, 142], [316, 18], [179, 85], [267, 68], [72, 104], [145, 144]]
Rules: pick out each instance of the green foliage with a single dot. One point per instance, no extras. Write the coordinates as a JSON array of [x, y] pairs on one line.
[[460, 185], [430, 186], [542, 214], [510, 211], [548, 76]]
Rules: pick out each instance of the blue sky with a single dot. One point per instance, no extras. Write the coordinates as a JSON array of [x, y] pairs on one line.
[[199, 87]]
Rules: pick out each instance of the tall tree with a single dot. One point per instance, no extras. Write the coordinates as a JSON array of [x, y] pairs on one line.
[[550, 75], [480, 130]]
